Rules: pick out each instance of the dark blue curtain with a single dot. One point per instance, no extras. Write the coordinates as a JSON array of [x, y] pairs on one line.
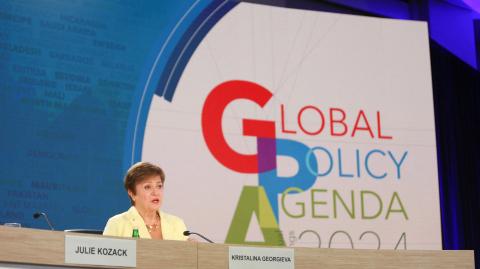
[[456, 91]]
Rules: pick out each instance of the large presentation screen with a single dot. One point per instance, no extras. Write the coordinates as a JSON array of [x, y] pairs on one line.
[[300, 128], [274, 126]]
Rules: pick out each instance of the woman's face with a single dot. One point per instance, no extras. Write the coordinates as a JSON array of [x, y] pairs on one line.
[[149, 194]]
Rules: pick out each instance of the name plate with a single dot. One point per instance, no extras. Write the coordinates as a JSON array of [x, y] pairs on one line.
[[100, 251], [264, 258]]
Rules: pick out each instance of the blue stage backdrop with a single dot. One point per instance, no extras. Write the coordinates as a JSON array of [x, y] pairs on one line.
[[76, 80]]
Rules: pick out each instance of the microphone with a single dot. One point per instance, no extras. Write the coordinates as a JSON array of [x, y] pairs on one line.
[[187, 233], [38, 214]]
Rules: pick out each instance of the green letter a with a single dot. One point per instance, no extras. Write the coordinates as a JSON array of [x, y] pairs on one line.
[[254, 200]]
